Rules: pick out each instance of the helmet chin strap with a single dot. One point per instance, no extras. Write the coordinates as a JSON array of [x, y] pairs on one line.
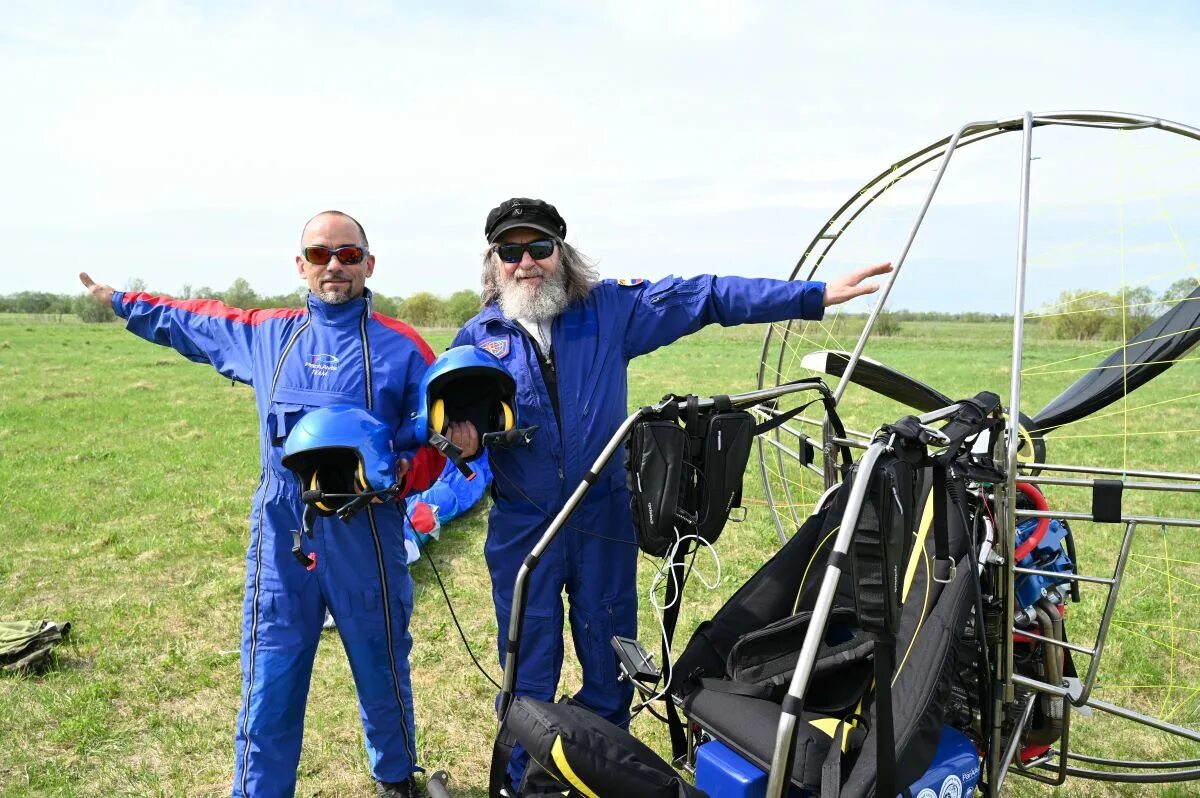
[[310, 514], [347, 511], [454, 454]]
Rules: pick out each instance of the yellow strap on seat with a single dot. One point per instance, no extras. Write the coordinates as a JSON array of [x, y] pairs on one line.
[[827, 725], [830, 726], [564, 767], [918, 545]]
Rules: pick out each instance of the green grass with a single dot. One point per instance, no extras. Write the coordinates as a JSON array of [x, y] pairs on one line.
[[125, 480]]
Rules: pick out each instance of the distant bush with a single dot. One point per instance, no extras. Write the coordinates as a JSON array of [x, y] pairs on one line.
[[460, 307], [1081, 314], [1180, 289], [241, 295], [422, 309], [886, 325], [92, 312]]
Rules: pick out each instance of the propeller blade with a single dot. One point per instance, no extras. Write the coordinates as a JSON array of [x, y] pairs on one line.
[[1144, 357], [883, 380]]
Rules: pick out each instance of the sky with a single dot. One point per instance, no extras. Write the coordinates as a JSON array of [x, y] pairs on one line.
[[185, 144]]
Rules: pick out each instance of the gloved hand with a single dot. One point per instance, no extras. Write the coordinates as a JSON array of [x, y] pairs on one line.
[[423, 518]]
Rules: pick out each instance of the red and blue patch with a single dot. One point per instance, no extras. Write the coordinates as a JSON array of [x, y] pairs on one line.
[[496, 346]]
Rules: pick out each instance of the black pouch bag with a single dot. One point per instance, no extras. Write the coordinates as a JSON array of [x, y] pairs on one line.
[[720, 450], [656, 454]]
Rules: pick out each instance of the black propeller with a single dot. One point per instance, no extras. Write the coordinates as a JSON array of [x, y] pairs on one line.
[[909, 391], [1146, 355], [883, 380]]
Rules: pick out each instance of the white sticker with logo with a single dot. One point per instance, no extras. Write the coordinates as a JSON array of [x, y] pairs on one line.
[[951, 788], [927, 793], [322, 365]]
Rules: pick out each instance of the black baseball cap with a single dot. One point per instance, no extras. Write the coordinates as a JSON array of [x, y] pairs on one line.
[[524, 212]]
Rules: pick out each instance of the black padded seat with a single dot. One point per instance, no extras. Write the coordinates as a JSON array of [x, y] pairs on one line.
[[748, 726]]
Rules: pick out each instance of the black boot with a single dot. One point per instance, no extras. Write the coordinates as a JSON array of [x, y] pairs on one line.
[[398, 789]]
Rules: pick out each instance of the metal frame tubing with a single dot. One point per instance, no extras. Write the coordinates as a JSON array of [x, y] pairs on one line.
[[785, 735], [858, 202], [951, 146], [516, 618], [1004, 532]]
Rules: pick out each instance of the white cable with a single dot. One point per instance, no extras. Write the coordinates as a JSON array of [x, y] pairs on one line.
[[659, 610]]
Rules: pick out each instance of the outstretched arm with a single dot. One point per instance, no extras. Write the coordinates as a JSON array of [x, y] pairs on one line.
[[202, 330], [664, 311]]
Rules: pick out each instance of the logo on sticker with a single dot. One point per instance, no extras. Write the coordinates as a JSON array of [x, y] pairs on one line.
[[951, 788], [496, 346], [630, 281], [321, 365]]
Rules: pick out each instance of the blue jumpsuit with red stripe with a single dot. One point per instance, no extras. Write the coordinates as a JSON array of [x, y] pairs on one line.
[[595, 557], [297, 360]]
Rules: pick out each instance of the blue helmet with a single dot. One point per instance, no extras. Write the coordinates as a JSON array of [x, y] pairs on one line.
[[466, 383], [341, 449]]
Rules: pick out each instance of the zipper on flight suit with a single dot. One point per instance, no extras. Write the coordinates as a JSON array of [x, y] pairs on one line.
[[548, 362]]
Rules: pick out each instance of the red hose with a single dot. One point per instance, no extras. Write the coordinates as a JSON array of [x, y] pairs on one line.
[[1039, 503]]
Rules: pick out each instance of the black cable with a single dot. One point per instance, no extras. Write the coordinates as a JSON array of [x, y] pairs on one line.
[[450, 606], [500, 472], [981, 644]]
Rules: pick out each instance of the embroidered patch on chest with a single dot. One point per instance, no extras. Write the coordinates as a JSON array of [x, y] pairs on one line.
[[496, 346], [321, 365], [631, 281]]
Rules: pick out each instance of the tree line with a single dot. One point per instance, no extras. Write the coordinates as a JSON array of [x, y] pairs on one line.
[[1078, 314], [422, 309], [1082, 314]]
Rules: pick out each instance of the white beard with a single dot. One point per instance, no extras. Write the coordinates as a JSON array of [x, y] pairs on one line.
[[544, 303]]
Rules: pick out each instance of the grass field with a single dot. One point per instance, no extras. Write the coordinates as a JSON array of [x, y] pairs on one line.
[[125, 480]]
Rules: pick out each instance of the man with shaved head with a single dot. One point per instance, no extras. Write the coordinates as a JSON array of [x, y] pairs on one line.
[[335, 350]]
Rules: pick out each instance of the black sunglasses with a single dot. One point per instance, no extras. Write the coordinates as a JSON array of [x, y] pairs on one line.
[[347, 256], [538, 250]]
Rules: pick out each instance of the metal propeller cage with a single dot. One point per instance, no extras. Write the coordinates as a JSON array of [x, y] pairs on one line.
[[806, 445]]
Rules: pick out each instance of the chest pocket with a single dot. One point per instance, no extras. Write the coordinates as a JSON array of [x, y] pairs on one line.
[[673, 291], [288, 406]]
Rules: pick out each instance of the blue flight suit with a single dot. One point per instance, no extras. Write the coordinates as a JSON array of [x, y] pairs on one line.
[[595, 557], [298, 360], [451, 495]]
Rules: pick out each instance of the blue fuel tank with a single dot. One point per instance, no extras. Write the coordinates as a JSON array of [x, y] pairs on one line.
[[954, 774]]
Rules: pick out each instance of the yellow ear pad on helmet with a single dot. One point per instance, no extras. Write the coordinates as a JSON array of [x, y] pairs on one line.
[[360, 479], [437, 416], [312, 485], [508, 416]]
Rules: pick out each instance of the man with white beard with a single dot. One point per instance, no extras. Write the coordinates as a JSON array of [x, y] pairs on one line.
[[567, 338]]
